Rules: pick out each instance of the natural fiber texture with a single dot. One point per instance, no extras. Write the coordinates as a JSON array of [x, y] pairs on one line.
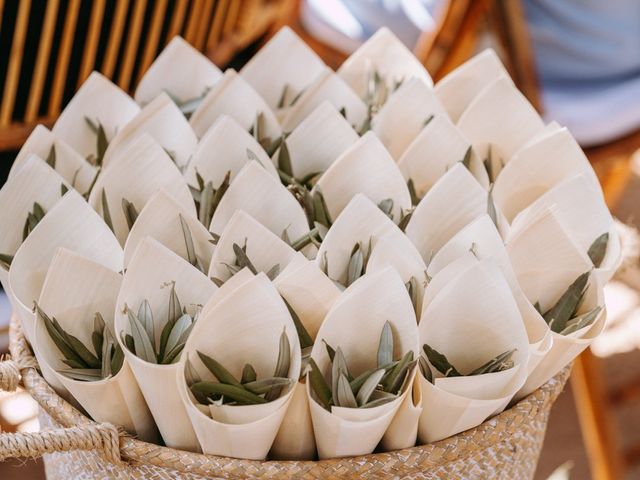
[[9, 375], [504, 447]]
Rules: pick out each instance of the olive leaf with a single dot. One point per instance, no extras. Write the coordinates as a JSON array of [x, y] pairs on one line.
[[282, 365], [440, 362], [415, 199], [368, 386], [567, 305], [101, 142], [34, 217], [320, 209], [5, 260], [248, 374], [425, 369], [385, 346], [130, 212], [501, 362], [319, 385], [51, 157], [239, 395], [284, 158], [598, 249], [413, 289], [386, 206], [581, 321], [192, 257], [491, 207], [466, 160], [344, 395]]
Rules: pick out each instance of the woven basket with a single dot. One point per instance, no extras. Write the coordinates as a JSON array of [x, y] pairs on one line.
[[505, 447]]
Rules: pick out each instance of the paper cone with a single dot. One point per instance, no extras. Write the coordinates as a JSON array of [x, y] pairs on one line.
[[385, 54], [149, 275], [285, 60], [404, 115], [70, 165], [295, 440], [162, 120], [160, 219], [226, 147], [71, 224], [74, 289], [136, 175], [513, 120], [265, 199], [366, 167], [318, 140], [252, 318], [233, 96], [438, 147], [458, 88], [454, 201], [403, 431], [101, 101], [264, 249], [229, 286], [180, 70]]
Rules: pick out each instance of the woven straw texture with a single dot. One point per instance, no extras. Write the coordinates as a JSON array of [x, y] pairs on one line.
[[504, 447]]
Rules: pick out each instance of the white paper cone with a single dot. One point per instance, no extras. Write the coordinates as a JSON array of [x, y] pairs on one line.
[[71, 224], [149, 275], [74, 289], [388, 56], [438, 147], [367, 168], [500, 117], [101, 101], [295, 440], [162, 120], [285, 60], [160, 219], [404, 115], [180, 70], [458, 88], [136, 175], [403, 431], [69, 164], [446, 275], [264, 198], [226, 289], [233, 96]]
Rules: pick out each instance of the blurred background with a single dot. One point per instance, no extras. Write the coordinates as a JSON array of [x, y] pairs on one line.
[[578, 62]]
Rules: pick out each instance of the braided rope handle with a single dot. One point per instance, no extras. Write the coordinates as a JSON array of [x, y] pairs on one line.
[[102, 437]]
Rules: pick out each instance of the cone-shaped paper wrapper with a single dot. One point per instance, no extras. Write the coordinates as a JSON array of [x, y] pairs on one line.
[[404, 115], [264, 198], [69, 164], [74, 290], [458, 88], [367, 168], [152, 270], [328, 87], [318, 140], [101, 101], [436, 149], [162, 120], [264, 249], [295, 439], [454, 201], [385, 54], [499, 117], [71, 224], [226, 147], [160, 219], [135, 175], [226, 289], [233, 96], [251, 318], [285, 61], [403, 431], [354, 324], [180, 70]]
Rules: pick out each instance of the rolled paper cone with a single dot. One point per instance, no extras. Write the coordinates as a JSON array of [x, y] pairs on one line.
[[403, 431], [264, 198], [405, 114], [446, 275], [98, 100], [459, 87], [137, 173], [160, 219], [252, 318], [442, 145], [385, 54], [328, 87], [226, 147], [318, 140], [69, 164], [514, 122], [366, 167], [152, 270], [181, 71], [295, 440], [229, 286], [165, 123], [454, 201], [233, 96], [71, 224], [264, 249], [549, 128], [285, 61], [74, 290]]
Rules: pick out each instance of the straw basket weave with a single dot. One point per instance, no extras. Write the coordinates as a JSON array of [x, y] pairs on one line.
[[505, 447]]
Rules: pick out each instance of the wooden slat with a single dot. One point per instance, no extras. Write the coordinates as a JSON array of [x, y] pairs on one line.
[[218, 22], [232, 17], [12, 137], [193, 19], [15, 62], [177, 21], [93, 39], [133, 36], [115, 37], [153, 37], [203, 24]]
